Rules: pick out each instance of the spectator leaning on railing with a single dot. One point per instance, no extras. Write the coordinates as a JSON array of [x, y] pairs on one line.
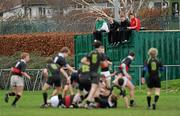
[[135, 23], [113, 27], [124, 22], [100, 26], [118, 31], [124, 33]]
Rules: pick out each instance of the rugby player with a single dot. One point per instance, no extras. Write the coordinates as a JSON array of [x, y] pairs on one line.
[[123, 71], [60, 59], [17, 80], [94, 60], [105, 69], [52, 73], [121, 84], [152, 67]]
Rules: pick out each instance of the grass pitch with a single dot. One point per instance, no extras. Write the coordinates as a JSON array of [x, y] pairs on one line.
[[168, 105]]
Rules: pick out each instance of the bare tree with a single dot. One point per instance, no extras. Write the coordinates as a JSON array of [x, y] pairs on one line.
[[126, 6], [81, 19]]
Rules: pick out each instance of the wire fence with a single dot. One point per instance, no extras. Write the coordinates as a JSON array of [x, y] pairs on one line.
[[162, 23], [37, 81], [51, 25], [171, 72], [32, 26]]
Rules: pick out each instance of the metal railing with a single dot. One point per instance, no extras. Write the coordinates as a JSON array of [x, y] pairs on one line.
[[32, 26], [37, 77], [50, 25], [167, 74], [35, 83]]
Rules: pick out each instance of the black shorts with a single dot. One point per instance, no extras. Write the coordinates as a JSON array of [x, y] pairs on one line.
[[95, 77], [153, 82], [56, 81], [84, 82], [102, 101]]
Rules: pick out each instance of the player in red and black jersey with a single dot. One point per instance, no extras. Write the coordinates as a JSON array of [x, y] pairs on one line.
[[125, 65], [123, 71], [17, 80], [105, 69], [60, 59], [152, 67]]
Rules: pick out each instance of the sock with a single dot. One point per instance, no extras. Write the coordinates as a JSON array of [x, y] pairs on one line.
[[60, 99], [45, 95], [88, 102], [131, 102], [16, 99], [149, 101], [11, 94], [82, 97], [156, 97]]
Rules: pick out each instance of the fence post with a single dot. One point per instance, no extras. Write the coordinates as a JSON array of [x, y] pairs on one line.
[[166, 79], [140, 78], [37, 76], [8, 80], [0, 72]]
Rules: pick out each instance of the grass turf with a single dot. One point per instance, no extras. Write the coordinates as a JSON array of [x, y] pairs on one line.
[[168, 105]]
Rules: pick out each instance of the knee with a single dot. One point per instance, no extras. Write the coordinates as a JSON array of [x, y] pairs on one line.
[[19, 93], [132, 87], [149, 93], [44, 89], [157, 92]]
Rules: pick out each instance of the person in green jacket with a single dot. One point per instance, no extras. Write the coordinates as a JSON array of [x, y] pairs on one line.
[[100, 27]]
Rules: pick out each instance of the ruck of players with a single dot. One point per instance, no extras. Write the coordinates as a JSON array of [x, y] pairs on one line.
[[93, 84]]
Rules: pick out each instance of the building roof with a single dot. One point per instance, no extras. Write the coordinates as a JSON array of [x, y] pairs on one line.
[[34, 2], [6, 5]]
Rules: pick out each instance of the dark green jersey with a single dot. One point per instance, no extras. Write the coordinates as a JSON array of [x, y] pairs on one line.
[[152, 66], [95, 59], [84, 69], [53, 70]]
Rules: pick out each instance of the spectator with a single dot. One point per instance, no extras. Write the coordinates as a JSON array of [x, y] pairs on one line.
[[134, 23], [114, 27], [124, 22], [100, 26], [124, 33]]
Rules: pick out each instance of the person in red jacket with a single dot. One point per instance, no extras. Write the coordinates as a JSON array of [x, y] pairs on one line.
[[135, 23]]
